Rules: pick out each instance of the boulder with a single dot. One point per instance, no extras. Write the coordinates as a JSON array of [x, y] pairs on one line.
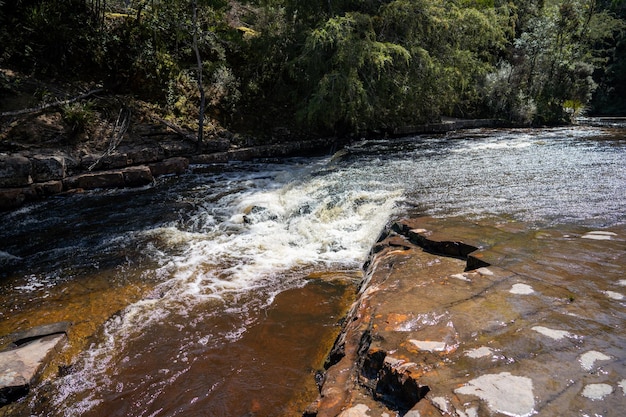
[[177, 148], [176, 165], [105, 179], [15, 171], [52, 187], [144, 155], [115, 160], [102, 162], [137, 176], [48, 168]]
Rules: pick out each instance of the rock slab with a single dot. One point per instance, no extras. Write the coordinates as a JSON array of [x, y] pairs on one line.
[[27, 353], [455, 318]]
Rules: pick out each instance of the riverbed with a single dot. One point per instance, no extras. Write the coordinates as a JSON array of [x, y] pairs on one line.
[[220, 293]]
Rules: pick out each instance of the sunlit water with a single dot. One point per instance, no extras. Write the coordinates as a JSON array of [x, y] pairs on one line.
[[206, 283]]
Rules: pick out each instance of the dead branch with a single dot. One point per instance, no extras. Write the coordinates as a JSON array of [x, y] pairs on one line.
[[121, 125], [50, 105], [185, 134]]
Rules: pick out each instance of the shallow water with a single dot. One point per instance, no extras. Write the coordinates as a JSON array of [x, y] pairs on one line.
[[197, 290]]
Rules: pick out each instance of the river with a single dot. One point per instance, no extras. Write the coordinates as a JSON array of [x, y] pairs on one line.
[[218, 293]]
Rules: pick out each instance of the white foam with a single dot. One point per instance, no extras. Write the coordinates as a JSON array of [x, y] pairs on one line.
[[485, 271], [552, 333], [521, 289], [261, 238], [622, 283], [597, 391], [504, 393], [588, 359]]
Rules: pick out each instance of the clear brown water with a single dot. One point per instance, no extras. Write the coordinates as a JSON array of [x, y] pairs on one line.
[[218, 294]]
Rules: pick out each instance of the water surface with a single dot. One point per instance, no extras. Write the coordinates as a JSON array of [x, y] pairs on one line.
[[197, 290]]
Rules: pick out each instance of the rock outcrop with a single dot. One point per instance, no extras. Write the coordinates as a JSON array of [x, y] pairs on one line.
[[449, 323]]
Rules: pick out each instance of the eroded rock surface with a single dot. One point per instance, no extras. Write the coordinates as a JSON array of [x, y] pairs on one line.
[[458, 319]]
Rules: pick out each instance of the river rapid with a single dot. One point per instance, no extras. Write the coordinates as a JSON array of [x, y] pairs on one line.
[[219, 293]]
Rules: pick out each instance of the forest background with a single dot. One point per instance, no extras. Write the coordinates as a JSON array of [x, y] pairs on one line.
[[339, 67]]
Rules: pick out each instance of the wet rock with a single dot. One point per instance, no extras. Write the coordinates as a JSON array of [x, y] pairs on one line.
[[25, 355], [48, 168], [11, 198], [15, 171]]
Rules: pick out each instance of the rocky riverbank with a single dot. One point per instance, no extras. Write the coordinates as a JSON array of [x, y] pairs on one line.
[[34, 174], [152, 150], [457, 319]]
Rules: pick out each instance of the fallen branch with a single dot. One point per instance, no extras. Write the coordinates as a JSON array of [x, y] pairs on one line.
[[185, 134], [121, 125], [50, 105]]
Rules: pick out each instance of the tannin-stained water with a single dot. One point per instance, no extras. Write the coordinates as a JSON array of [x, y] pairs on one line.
[[217, 294]]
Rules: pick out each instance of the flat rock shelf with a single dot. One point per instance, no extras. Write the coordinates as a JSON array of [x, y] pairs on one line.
[[455, 318]]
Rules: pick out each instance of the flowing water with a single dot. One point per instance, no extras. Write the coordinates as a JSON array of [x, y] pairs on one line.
[[217, 294]]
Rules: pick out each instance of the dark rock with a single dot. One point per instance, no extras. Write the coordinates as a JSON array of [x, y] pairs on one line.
[[144, 155], [87, 161], [212, 158], [52, 187], [177, 165], [216, 145], [15, 171], [116, 160], [137, 176], [176, 149], [11, 198], [48, 168], [108, 179]]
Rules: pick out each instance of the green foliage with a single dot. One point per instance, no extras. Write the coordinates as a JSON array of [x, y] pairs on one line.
[[553, 62], [343, 66], [78, 116], [346, 65]]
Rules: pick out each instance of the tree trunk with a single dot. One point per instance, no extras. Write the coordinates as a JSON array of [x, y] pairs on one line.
[[199, 76]]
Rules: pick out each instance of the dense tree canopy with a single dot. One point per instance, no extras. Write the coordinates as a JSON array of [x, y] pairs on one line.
[[332, 66]]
